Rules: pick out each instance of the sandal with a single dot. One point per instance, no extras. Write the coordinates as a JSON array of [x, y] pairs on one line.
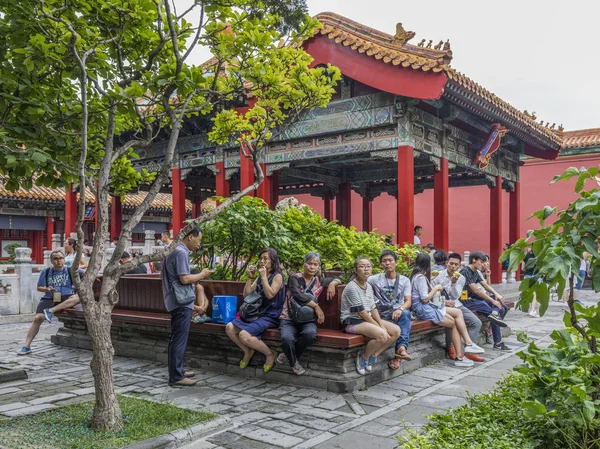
[[394, 364], [244, 364], [267, 368], [402, 354]]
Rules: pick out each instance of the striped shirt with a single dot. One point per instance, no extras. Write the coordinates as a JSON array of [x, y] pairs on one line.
[[354, 300]]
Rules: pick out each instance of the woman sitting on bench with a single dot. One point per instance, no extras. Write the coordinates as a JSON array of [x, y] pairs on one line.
[[359, 315], [428, 304], [298, 323], [269, 284]]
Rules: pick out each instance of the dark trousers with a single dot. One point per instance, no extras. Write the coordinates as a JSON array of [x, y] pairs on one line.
[[482, 307], [180, 329], [295, 338]]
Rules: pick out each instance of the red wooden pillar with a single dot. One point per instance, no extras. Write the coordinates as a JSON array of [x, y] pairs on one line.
[[515, 217], [440, 206], [328, 206], [496, 230], [367, 213], [116, 217], [264, 189], [246, 171], [37, 246], [406, 195], [274, 190], [177, 200], [344, 204], [222, 185], [70, 210], [49, 231], [197, 206]]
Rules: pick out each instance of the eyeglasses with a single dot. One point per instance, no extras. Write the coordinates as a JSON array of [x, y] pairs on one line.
[[364, 267]]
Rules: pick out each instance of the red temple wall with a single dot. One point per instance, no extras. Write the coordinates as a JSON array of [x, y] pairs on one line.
[[469, 221]]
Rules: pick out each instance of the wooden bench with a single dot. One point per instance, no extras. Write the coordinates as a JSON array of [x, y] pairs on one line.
[[141, 327]]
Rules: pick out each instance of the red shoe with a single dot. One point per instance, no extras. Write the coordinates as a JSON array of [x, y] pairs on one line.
[[475, 357], [451, 352]]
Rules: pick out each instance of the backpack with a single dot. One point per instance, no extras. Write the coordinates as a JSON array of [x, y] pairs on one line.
[[384, 303]]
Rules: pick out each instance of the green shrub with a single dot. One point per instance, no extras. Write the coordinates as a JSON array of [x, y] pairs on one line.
[[491, 420]]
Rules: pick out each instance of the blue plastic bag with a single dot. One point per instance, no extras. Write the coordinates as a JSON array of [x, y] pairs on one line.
[[223, 309]]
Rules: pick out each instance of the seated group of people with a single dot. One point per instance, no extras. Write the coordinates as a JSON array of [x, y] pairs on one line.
[[376, 306]]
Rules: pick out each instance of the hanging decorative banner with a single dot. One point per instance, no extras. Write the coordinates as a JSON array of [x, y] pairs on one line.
[[491, 146]]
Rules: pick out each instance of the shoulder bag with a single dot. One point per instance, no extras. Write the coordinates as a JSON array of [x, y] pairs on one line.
[[384, 303], [183, 294], [301, 314], [252, 307]]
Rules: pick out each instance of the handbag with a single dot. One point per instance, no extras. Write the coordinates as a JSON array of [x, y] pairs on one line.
[[301, 314], [183, 294], [384, 303], [252, 307]]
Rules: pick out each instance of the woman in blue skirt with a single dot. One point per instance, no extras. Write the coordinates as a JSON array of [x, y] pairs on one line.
[[269, 283]]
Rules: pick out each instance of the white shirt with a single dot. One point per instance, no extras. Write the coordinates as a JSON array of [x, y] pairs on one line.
[[417, 240], [454, 290], [583, 265]]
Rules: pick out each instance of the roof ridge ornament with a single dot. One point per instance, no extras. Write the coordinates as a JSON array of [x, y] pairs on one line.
[[402, 36]]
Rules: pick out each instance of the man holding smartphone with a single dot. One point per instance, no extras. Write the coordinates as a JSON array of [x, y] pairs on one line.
[[57, 286]]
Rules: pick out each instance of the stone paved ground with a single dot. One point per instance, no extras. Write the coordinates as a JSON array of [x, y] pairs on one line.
[[260, 414]]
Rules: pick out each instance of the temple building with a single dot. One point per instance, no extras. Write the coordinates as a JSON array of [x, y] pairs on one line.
[[406, 140]]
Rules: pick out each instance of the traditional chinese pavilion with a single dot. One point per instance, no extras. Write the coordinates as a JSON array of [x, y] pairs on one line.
[[403, 121]]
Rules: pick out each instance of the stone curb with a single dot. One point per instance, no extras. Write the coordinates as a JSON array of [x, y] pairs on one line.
[[179, 437]]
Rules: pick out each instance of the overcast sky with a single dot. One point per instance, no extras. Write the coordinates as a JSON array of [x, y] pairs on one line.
[[543, 56]]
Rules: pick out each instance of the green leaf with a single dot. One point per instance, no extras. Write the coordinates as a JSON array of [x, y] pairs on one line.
[[589, 411], [532, 409], [567, 174]]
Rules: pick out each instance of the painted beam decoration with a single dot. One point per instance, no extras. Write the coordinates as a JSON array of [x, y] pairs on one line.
[[491, 146]]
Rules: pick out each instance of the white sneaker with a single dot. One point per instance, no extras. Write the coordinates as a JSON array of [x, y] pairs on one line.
[[298, 369], [281, 359], [463, 363], [473, 349], [361, 364]]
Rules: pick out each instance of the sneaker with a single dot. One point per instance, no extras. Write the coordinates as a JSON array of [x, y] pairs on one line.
[[24, 351], [298, 369], [473, 349], [48, 315], [206, 318], [189, 374], [197, 319], [185, 382], [496, 319], [501, 346], [475, 357], [281, 359], [463, 363], [370, 362], [451, 352], [361, 364]]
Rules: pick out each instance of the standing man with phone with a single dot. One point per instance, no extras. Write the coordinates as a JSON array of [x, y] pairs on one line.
[[56, 284]]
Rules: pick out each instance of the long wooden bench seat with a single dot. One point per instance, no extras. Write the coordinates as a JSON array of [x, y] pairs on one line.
[[325, 337]]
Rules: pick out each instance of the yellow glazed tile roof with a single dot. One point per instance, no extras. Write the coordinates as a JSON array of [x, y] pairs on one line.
[[382, 46]]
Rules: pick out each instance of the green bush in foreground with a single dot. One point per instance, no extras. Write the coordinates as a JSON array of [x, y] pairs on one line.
[[491, 420], [67, 427]]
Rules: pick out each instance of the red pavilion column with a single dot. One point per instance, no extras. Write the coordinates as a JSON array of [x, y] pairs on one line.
[[406, 195], [264, 189], [328, 206], [246, 171], [177, 200], [274, 190], [70, 210], [515, 217], [222, 185], [440, 206], [116, 217], [367, 207], [496, 230], [37, 244], [49, 231], [344, 204], [196, 207]]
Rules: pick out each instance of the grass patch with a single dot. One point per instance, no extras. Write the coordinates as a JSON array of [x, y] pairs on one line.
[[67, 427], [491, 420]]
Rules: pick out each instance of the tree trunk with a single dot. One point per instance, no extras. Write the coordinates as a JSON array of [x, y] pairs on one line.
[[107, 413]]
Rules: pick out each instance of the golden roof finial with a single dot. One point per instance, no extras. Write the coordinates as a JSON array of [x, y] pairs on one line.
[[446, 46], [553, 126], [439, 45], [422, 43], [561, 128], [429, 44], [402, 36]]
